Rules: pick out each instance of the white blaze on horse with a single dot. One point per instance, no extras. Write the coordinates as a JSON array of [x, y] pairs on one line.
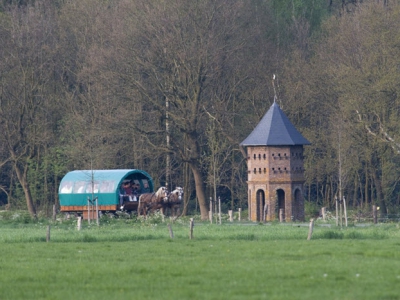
[[174, 201], [152, 201]]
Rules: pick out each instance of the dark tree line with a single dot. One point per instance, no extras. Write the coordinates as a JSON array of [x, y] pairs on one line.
[[173, 87]]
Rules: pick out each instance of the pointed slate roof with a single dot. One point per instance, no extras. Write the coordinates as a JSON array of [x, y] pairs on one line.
[[275, 129]]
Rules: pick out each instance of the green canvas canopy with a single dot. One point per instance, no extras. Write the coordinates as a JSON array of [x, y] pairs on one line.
[[80, 185]]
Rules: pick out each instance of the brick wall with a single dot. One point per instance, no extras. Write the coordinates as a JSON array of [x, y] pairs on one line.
[[271, 169]]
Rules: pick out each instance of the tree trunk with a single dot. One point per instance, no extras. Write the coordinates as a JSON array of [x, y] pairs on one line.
[[23, 180], [366, 194], [355, 193], [186, 178], [198, 179], [379, 192]]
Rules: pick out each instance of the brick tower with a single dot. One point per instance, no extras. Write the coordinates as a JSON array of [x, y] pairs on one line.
[[275, 168]]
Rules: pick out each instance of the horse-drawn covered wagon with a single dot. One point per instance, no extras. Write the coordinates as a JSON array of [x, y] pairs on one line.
[[107, 190]]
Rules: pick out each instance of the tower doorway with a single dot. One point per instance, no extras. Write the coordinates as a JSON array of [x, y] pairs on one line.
[[280, 196], [297, 206], [260, 198]]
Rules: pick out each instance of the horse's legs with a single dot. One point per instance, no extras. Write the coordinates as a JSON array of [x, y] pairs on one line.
[[145, 211], [176, 211], [163, 209], [142, 206], [138, 208]]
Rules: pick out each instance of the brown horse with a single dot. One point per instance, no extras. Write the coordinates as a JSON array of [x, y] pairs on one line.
[[152, 201], [174, 201]]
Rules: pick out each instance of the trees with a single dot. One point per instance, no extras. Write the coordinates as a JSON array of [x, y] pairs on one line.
[[351, 80], [183, 53], [90, 119], [27, 108], [84, 84]]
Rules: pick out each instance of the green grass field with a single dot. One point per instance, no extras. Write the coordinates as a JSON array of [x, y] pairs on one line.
[[123, 259]]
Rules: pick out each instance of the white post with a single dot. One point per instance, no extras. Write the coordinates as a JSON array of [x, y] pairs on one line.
[[79, 226], [230, 213], [191, 229], [211, 210], [48, 234], [337, 215], [341, 212], [310, 229], [345, 210], [281, 215], [215, 210], [88, 209], [97, 212], [219, 208]]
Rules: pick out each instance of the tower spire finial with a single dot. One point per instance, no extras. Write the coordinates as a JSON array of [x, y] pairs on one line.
[[273, 84]]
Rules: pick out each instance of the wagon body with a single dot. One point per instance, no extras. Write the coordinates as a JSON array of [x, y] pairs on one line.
[[78, 189]]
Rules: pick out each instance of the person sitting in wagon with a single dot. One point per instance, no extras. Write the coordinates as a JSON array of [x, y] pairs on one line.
[[136, 190], [146, 188], [67, 188], [126, 192]]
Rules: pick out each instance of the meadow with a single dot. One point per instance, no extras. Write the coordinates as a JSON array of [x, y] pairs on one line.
[[131, 259]]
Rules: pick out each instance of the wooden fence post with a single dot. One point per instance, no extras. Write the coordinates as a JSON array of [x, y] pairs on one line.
[[219, 210], [216, 210], [337, 215], [211, 211], [79, 225], [240, 214], [345, 211], [281, 215], [310, 229], [375, 214], [191, 229], [323, 212], [48, 234], [88, 209], [230, 213], [54, 212], [97, 212], [171, 233]]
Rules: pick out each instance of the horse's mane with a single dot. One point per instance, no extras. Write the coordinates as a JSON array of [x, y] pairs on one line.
[[159, 191], [177, 190]]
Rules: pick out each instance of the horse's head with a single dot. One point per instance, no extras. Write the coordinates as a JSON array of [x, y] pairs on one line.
[[162, 192], [178, 193]]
